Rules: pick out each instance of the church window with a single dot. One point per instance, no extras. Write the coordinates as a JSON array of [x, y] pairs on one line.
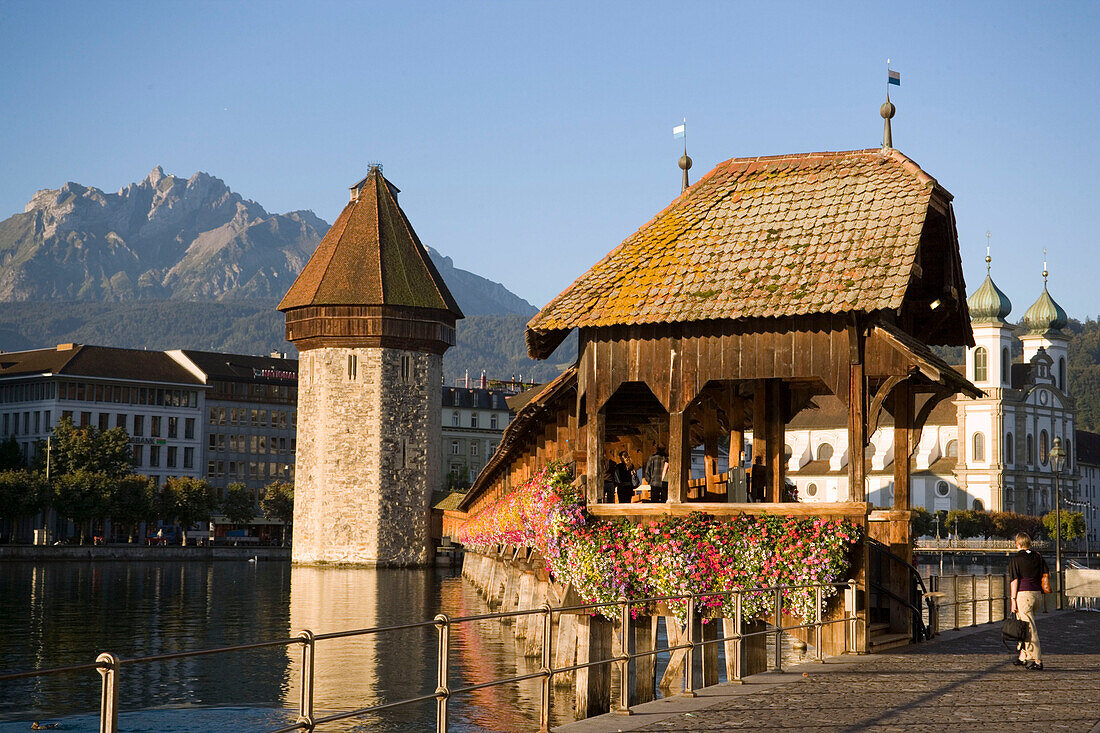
[[1008, 448], [1044, 447], [353, 366], [811, 490], [1006, 367], [942, 489], [1069, 454], [1030, 450], [824, 452], [978, 453], [1062, 374], [981, 363], [951, 450], [978, 505]]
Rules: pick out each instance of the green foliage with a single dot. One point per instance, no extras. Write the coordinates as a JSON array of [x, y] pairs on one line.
[[81, 496], [186, 500], [1073, 525], [22, 493], [130, 500], [91, 450], [278, 504], [973, 523], [11, 457], [238, 506]]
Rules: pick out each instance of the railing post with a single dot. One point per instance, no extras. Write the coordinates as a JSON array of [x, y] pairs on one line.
[[305, 697], [817, 626], [442, 691], [624, 646], [738, 647], [989, 593], [689, 653], [547, 667], [973, 600], [108, 699], [853, 618], [955, 598], [778, 629]]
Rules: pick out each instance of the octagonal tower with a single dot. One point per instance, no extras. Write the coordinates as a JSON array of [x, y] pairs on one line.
[[371, 318]]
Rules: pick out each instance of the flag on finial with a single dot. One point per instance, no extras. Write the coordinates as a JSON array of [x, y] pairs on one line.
[[893, 77], [679, 131]]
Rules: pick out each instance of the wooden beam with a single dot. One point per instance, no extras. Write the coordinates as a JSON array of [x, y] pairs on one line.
[[595, 462], [857, 413], [775, 439], [679, 456], [723, 509], [759, 418], [710, 445], [903, 419]]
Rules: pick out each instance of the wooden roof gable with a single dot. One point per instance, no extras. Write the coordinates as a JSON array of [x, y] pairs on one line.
[[762, 238], [371, 256]]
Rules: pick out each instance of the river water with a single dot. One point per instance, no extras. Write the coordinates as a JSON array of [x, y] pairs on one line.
[[61, 613]]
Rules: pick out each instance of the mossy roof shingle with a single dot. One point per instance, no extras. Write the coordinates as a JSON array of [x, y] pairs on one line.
[[760, 237]]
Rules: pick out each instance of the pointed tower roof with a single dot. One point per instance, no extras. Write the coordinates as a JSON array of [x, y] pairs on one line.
[[371, 257], [1045, 317], [988, 304]]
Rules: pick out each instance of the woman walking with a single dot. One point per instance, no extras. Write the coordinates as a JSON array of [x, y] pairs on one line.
[[1026, 571]]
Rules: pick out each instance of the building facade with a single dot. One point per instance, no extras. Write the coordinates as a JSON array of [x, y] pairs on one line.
[[991, 452], [473, 419]]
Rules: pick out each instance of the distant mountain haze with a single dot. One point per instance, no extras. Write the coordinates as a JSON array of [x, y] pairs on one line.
[[194, 240]]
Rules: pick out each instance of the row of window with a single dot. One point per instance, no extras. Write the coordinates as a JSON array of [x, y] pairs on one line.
[[259, 444], [256, 417], [981, 368], [251, 391], [91, 392], [253, 470], [456, 420], [475, 448], [27, 423], [171, 455]]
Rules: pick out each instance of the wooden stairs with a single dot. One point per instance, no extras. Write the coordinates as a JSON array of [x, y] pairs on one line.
[[879, 637]]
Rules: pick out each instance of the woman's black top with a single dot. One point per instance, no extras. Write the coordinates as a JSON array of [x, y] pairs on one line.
[[1027, 567]]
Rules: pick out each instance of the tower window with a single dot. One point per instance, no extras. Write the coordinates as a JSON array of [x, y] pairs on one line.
[[1030, 450], [981, 364], [1062, 374], [1006, 367], [1044, 447], [824, 452], [353, 367], [1008, 448], [951, 450], [406, 368], [978, 454]]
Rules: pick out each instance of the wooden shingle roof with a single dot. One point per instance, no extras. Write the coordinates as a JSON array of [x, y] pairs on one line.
[[371, 256], [758, 238]]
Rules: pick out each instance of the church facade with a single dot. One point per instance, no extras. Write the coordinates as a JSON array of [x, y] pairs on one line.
[[991, 452]]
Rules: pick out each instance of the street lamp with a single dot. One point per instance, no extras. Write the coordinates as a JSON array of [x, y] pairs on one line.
[[1057, 461]]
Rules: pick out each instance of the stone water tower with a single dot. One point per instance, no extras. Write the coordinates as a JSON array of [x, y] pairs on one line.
[[371, 318]]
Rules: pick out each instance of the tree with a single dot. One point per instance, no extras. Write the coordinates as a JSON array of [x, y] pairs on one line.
[[1073, 525], [22, 494], [278, 504], [924, 523], [238, 506], [11, 457], [187, 500], [90, 449], [130, 500], [81, 496]]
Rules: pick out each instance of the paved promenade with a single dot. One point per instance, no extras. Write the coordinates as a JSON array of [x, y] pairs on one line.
[[962, 681]]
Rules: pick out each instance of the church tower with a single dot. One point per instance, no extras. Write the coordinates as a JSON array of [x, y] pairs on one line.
[[371, 318], [1044, 322]]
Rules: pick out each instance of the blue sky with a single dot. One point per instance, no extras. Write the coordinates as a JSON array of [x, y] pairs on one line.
[[531, 138]]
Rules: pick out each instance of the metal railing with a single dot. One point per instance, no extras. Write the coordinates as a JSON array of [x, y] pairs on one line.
[[110, 666], [994, 605]]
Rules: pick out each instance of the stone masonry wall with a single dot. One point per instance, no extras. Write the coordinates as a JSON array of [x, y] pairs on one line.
[[367, 455]]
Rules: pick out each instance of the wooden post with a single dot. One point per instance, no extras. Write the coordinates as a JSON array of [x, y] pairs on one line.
[[857, 414], [596, 462], [710, 448], [775, 439], [645, 668], [759, 419], [708, 655], [674, 672], [593, 683], [903, 424], [679, 456]]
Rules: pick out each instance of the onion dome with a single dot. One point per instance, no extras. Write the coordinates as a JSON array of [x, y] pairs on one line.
[[988, 304], [1045, 316]]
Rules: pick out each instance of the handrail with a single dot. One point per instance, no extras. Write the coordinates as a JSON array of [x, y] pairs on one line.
[[108, 665], [918, 591]]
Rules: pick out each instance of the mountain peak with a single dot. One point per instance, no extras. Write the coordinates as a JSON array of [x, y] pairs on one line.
[[154, 176]]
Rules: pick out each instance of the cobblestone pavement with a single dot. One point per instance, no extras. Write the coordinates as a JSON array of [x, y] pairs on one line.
[[959, 682]]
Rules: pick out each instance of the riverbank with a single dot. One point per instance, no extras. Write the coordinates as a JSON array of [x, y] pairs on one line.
[[140, 553]]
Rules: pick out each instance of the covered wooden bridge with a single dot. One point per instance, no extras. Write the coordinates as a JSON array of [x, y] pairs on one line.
[[769, 282]]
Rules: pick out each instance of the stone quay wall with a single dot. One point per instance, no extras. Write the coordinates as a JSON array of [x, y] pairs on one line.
[[368, 455]]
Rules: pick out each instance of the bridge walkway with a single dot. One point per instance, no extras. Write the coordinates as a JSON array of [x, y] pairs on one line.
[[961, 681]]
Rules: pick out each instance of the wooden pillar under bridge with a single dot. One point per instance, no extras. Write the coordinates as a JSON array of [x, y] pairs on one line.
[[679, 456], [644, 668], [593, 683]]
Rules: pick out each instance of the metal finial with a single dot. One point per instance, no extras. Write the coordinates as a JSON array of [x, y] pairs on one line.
[[988, 259], [685, 161], [888, 109], [1044, 267]]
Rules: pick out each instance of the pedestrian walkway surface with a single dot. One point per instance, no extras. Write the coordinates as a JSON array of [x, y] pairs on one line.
[[961, 681]]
